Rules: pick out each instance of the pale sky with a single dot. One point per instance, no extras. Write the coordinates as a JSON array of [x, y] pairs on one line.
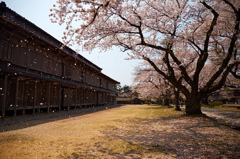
[[112, 62]]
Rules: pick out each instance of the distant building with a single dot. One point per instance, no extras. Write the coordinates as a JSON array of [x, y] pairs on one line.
[[37, 75], [234, 97], [124, 97], [231, 96], [128, 97]]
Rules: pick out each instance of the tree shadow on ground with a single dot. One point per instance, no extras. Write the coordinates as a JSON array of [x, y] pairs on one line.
[[24, 121], [182, 137], [226, 114]]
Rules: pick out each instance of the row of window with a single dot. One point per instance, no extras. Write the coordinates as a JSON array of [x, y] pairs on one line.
[[33, 58], [34, 92]]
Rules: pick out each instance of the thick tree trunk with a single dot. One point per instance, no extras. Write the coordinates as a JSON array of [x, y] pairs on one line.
[[166, 101], [193, 106], [205, 100], [177, 108], [176, 93]]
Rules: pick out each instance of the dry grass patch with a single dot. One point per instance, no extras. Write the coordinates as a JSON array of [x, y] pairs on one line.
[[228, 108], [131, 131], [225, 107]]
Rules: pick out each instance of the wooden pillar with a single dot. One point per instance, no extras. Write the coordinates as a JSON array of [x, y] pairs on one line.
[[4, 96], [23, 96], [39, 108], [89, 98], [68, 94], [75, 99], [83, 98], [60, 99], [105, 99], [92, 98], [49, 96], [34, 97], [97, 99], [23, 111], [80, 98], [16, 98]]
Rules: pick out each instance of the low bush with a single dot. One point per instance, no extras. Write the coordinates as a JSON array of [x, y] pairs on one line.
[[215, 103]]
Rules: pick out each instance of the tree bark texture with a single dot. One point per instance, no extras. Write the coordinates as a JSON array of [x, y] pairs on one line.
[[193, 106], [176, 93]]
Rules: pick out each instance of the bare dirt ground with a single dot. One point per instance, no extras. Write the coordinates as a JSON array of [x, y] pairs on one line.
[[130, 131]]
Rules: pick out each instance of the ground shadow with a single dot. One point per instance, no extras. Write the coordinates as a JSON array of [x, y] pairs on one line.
[[24, 121], [182, 137], [226, 114]]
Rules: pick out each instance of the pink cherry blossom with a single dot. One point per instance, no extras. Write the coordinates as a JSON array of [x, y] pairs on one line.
[[180, 39]]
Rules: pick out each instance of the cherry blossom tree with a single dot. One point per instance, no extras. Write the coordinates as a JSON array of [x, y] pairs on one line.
[[232, 82], [178, 38], [149, 84]]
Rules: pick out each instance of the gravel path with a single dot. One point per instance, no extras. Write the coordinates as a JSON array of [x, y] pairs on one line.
[[228, 117]]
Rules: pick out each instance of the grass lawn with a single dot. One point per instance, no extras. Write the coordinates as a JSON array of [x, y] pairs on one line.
[[226, 107], [130, 131]]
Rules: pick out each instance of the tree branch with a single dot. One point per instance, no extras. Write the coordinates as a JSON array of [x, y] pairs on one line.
[[169, 78], [204, 53]]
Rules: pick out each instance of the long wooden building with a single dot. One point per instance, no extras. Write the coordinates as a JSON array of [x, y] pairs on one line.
[[37, 75]]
